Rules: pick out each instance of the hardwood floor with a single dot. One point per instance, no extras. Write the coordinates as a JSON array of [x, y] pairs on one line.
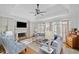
[[27, 51], [68, 50], [2, 50]]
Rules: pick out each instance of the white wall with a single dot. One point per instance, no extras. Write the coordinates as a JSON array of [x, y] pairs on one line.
[[75, 21], [10, 24], [0, 25], [3, 21], [31, 28]]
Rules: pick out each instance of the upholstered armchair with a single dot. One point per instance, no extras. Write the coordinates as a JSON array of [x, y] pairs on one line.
[[10, 44], [57, 45]]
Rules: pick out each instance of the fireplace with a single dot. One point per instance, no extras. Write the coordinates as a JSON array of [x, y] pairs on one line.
[[21, 36]]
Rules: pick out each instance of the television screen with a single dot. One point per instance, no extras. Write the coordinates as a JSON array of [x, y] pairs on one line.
[[21, 24]]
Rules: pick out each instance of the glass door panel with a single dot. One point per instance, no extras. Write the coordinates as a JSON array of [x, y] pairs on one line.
[[61, 28]]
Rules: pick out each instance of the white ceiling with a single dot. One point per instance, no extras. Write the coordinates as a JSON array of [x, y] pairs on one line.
[[53, 11]]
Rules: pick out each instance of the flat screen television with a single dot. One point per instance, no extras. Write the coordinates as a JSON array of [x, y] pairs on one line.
[[21, 25]]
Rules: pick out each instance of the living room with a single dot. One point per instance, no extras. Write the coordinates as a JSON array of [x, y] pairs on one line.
[[33, 28]]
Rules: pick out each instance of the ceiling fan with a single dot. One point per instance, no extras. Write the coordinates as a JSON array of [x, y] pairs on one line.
[[37, 11]]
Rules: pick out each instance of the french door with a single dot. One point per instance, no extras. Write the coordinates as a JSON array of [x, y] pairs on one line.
[[61, 28]]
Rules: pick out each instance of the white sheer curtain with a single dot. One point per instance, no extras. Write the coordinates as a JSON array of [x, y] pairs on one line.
[[61, 28], [40, 27]]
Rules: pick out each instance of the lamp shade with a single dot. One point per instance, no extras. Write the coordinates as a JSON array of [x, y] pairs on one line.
[[48, 35]]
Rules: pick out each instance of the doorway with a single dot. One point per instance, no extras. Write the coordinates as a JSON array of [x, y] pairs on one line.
[[62, 28]]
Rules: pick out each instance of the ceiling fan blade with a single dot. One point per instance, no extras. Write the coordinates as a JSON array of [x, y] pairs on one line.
[[43, 12], [32, 12]]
